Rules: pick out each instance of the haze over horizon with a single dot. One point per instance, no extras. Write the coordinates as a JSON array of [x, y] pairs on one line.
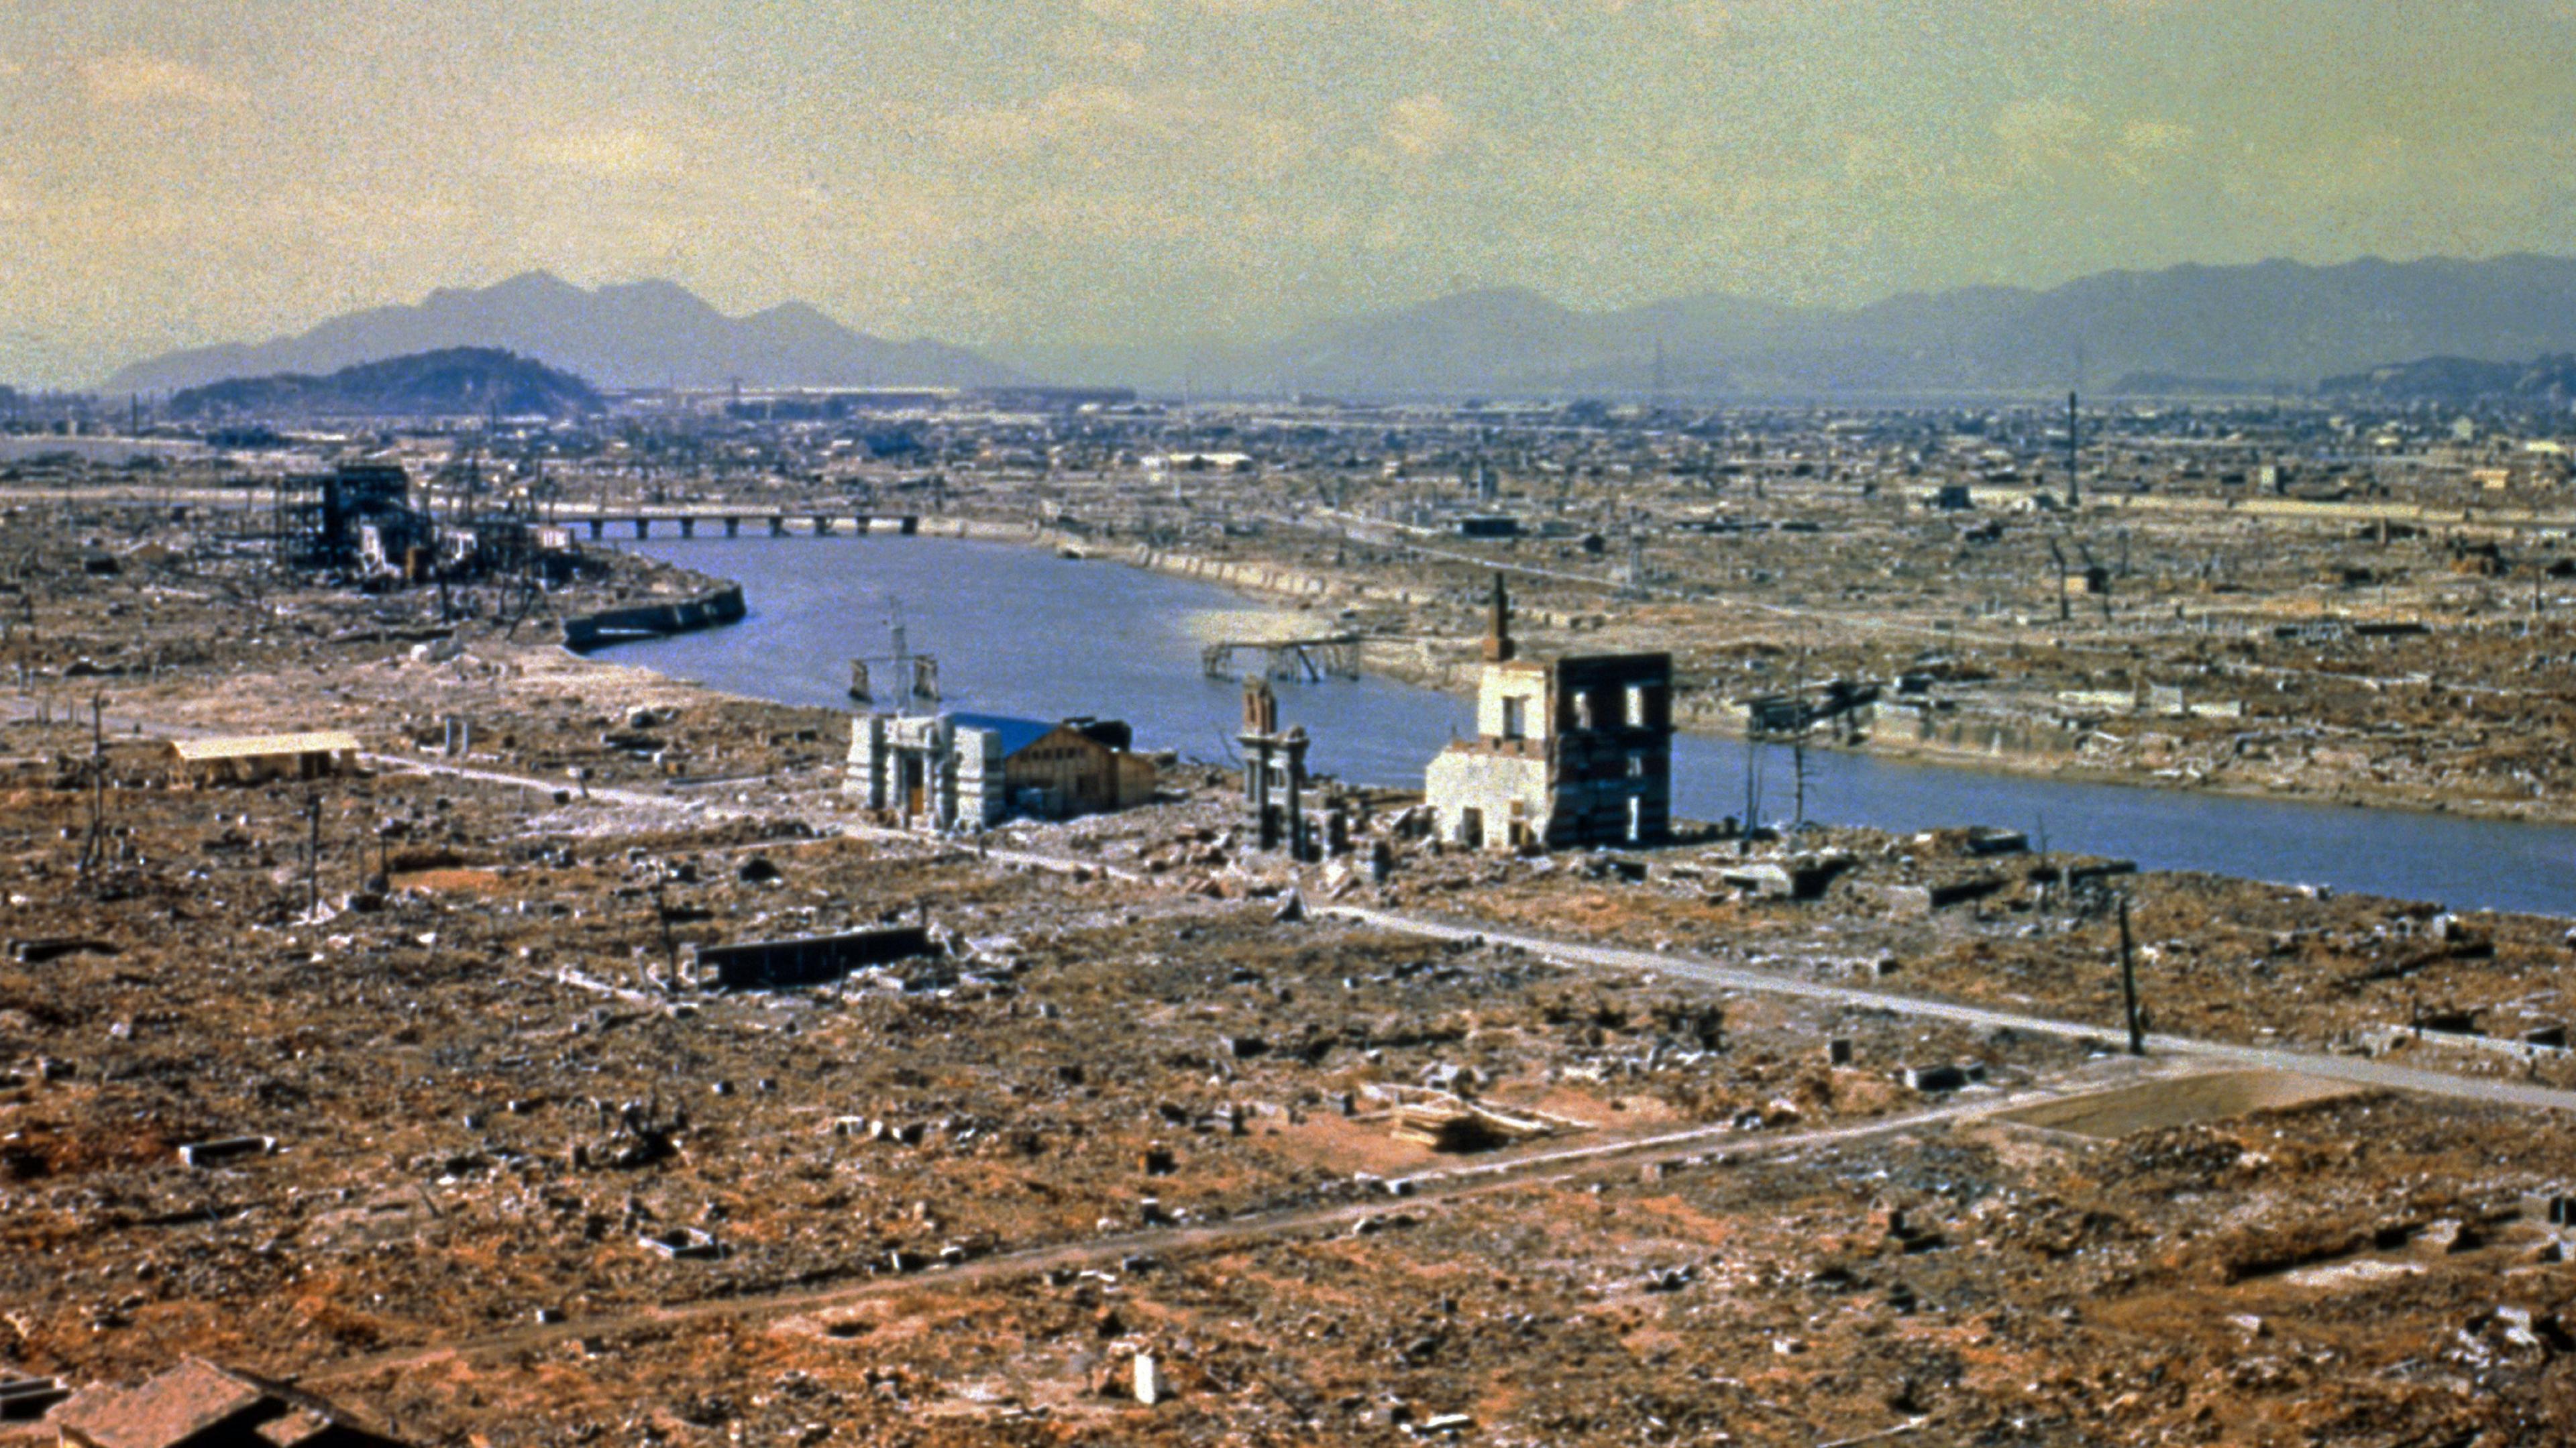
[[1034, 175]]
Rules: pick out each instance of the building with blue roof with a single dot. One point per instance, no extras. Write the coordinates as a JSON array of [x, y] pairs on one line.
[[972, 771]]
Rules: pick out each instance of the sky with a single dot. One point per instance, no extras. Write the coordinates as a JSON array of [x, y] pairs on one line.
[[1020, 173]]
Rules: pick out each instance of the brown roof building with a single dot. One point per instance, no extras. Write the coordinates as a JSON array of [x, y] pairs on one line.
[[200, 1405], [258, 758]]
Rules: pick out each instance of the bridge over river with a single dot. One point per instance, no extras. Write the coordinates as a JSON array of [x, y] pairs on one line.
[[731, 522], [1325, 656]]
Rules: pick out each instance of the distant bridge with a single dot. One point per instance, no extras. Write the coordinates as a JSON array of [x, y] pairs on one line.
[[762, 524], [1329, 656]]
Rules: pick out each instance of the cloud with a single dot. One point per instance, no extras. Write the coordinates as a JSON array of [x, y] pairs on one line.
[[1066, 112], [2045, 130], [184, 174], [1422, 126], [133, 78], [2056, 136], [1719, 19], [2155, 138], [1141, 12], [1104, 135], [609, 152], [1102, 45]]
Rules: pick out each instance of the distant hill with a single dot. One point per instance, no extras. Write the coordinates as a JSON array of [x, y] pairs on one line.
[[2170, 384], [2276, 325], [450, 382], [647, 334], [2461, 381]]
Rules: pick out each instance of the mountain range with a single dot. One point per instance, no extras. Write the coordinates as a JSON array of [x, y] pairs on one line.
[[2548, 381], [641, 334], [447, 383], [2275, 325], [2271, 326]]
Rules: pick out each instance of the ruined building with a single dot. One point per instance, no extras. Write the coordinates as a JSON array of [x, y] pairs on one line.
[[969, 771], [1568, 752], [1274, 772], [360, 519], [200, 1405], [324, 522]]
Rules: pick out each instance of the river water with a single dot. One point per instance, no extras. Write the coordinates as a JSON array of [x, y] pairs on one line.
[[1019, 631]]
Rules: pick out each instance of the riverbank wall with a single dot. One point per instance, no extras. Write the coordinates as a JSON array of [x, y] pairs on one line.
[[711, 609], [1451, 665], [2014, 744], [2022, 745]]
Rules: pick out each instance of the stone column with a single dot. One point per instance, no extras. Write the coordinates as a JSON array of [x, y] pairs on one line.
[[1296, 748]]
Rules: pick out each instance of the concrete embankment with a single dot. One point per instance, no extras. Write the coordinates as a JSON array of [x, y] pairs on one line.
[[715, 607], [2031, 746], [1995, 738]]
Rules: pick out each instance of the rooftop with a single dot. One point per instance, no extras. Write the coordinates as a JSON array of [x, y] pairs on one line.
[[1017, 734], [244, 746], [198, 1403]]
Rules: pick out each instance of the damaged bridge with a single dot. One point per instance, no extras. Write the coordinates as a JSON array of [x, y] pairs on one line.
[[1328, 656]]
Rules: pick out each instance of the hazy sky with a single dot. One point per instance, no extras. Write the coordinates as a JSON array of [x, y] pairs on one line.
[[1009, 171]]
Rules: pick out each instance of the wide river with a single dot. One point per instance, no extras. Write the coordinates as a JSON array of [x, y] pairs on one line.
[[1019, 631]]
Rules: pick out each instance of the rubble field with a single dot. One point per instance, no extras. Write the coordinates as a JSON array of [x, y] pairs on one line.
[[405, 1085], [2358, 604]]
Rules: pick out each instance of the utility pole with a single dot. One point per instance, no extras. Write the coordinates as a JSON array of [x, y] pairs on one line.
[[2047, 878], [93, 847], [2129, 984], [2074, 494], [670, 943], [1798, 758], [313, 858], [1752, 786], [1798, 764]]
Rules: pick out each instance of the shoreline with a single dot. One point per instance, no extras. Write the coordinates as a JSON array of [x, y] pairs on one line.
[[1385, 659]]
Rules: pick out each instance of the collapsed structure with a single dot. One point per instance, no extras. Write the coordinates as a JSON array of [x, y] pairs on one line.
[[361, 519], [1274, 772], [1568, 752], [358, 514], [200, 1405], [971, 771]]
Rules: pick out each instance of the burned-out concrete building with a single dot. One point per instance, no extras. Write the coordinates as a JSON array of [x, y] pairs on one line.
[[968, 771], [334, 521], [361, 520], [1568, 752], [1274, 772]]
